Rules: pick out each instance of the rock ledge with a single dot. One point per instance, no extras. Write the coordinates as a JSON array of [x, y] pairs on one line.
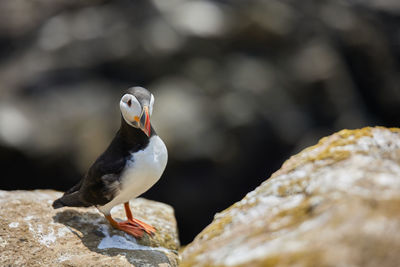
[[334, 204], [33, 234]]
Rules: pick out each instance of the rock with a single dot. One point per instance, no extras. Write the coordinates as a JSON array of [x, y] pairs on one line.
[[334, 204], [32, 233]]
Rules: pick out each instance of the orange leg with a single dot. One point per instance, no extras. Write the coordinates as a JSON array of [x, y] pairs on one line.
[[128, 211], [144, 226], [131, 226]]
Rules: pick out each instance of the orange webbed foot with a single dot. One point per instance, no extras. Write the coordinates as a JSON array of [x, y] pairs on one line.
[[127, 226], [131, 229], [142, 225], [132, 226]]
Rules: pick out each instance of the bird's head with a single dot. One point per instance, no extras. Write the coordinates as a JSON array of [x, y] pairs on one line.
[[136, 108]]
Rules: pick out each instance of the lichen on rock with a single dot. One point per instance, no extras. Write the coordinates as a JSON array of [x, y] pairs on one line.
[[33, 234], [336, 203]]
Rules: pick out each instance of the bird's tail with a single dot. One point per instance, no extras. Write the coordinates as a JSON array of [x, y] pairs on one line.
[[69, 200]]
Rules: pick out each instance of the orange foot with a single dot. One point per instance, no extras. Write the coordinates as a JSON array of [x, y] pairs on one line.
[[132, 226], [141, 225], [129, 228], [144, 226]]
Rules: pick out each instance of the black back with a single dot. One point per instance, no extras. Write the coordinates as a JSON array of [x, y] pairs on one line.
[[102, 181]]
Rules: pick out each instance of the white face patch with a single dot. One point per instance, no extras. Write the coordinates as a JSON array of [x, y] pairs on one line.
[[151, 105], [130, 108]]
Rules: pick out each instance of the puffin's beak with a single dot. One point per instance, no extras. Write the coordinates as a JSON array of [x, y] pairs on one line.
[[145, 121]]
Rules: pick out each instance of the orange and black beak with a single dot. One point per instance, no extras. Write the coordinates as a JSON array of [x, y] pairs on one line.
[[145, 125]]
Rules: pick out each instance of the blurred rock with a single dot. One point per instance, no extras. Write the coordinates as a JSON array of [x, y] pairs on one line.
[[199, 18], [335, 203], [34, 234]]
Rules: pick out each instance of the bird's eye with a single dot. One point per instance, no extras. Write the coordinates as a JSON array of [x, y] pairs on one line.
[[129, 102]]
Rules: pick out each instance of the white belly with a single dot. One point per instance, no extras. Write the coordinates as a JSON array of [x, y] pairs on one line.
[[141, 172]]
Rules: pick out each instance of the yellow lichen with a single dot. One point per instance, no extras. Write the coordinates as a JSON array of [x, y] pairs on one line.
[[297, 215], [293, 186], [394, 130], [328, 149], [357, 133], [338, 140], [297, 212]]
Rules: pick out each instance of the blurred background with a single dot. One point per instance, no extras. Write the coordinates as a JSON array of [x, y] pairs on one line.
[[239, 87]]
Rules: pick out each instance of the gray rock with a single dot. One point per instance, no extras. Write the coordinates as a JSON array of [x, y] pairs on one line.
[[33, 234], [334, 204]]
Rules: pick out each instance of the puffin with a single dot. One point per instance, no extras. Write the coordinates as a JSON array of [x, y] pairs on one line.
[[132, 163]]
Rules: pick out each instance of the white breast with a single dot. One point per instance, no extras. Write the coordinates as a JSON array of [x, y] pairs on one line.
[[141, 172]]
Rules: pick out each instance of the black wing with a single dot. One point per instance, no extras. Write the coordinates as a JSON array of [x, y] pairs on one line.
[[102, 181]]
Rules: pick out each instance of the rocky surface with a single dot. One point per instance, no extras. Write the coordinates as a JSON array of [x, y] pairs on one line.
[[334, 204], [33, 234]]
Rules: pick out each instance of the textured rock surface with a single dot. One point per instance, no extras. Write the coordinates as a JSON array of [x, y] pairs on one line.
[[33, 234], [333, 204]]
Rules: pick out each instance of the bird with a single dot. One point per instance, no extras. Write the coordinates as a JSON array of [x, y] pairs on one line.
[[132, 163]]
